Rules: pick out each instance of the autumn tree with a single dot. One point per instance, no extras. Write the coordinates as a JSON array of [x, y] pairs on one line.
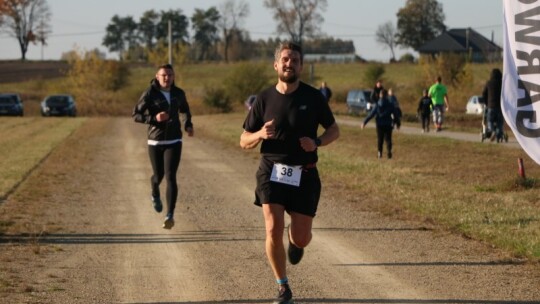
[[28, 21], [297, 18], [386, 36], [232, 15], [419, 22]]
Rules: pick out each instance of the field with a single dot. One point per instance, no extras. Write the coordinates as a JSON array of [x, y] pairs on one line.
[[470, 188], [35, 80]]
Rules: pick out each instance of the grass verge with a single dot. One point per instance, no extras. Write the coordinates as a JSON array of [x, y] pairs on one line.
[[25, 142]]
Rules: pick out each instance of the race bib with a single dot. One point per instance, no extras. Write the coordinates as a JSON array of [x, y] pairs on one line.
[[284, 174]]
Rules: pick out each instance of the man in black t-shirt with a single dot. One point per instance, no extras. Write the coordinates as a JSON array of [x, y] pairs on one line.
[[285, 118]]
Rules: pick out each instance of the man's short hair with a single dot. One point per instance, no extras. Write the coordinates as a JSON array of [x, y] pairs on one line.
[[167, 66], [288, 45]]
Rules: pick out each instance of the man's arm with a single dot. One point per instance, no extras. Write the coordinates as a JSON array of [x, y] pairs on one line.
[[327, 137], [250, 140]]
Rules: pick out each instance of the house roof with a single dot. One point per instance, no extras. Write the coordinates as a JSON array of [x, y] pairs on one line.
[[455, 40]]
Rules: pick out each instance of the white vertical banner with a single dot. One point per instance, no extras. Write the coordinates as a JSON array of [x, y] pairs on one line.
[[521, 75]]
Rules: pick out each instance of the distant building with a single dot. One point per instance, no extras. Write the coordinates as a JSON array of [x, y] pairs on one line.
[[463, 41], [333, 58]]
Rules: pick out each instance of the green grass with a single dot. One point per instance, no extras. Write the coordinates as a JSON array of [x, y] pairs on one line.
[[25, 142], [430, 179]]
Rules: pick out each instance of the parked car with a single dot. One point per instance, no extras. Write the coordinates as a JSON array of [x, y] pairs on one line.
[[358, 101], [475, 105], [11, 104], [59, 105]]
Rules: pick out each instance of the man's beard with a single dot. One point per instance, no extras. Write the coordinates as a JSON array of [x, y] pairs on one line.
[[290, 78]]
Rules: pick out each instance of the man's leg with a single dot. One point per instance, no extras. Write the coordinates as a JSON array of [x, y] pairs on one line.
[[300, 229], [274, 220]]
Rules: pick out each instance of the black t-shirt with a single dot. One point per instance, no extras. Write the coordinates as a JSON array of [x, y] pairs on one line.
[[295, 115]]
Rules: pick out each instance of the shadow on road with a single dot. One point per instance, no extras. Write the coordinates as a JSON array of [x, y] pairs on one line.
[[110, 238], [337, 301]]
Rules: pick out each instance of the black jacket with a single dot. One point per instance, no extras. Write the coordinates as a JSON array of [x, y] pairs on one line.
[[152, 102], [424, 106], [374, 97], [492, 91], [384, 113]]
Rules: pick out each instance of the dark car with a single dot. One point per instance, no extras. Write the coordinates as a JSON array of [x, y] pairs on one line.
[[358, 101], [11, 104], [58, 105]]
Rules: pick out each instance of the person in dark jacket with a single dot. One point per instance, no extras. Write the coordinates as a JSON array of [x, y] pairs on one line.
[[375, 94], [424, 110], [325, 90], [397, 109], [160, 107], [492, 98], [385, 115]]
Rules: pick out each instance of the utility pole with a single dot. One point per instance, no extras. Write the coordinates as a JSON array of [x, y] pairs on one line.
[[170, 43]]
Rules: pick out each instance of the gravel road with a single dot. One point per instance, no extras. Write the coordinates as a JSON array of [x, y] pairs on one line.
[[110, 248]]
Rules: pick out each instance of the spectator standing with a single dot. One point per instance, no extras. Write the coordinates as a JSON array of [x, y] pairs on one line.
[[325, 90], [375, 93], [439, 98], [397, 109], [492, 98], [424, 110], [384, 121]]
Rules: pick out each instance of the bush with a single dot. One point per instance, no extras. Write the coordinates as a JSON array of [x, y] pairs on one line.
[[94, 83], [246, 79], [373, 73], [407, 58], [218, 99]]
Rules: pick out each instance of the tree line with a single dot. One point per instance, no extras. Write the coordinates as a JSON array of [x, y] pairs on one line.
[[218, 33]]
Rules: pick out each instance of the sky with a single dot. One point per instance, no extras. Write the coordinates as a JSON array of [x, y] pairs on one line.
[[81, 24]]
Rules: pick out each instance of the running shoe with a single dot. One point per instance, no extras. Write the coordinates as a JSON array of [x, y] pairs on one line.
[[156, 201], [169, 222], [284, 295], [294, 253]]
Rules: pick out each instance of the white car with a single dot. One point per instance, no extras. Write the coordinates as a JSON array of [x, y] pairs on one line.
[[475, 105]]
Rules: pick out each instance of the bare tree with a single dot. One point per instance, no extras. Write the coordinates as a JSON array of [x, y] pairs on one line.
[[232, 15], [386, 35], [27, 21], [297, 18]]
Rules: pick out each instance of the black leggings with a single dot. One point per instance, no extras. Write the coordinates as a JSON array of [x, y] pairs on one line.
[[165, 160], [384, 133]]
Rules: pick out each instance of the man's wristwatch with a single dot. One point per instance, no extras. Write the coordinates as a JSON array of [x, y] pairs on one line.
[[318, 142]]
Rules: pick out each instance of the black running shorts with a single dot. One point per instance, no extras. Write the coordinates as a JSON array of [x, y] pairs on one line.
[[303, 199]]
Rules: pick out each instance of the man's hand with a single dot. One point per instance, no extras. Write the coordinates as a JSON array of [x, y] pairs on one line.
[[190, 132], [268, 130], [308, 144], [162, 116]]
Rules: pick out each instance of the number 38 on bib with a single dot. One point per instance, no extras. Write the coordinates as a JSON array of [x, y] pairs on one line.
[[285, 174]]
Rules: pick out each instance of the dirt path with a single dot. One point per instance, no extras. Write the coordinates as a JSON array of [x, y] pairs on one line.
[[472, 137], [109, 246]]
